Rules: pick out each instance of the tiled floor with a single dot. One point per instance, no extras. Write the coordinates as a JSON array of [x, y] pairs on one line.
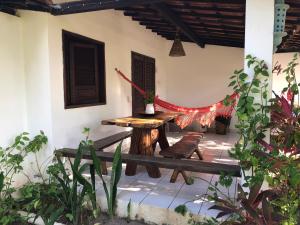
[[160, 193]]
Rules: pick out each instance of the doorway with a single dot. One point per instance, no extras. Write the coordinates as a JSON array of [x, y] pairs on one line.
[[143, 74]]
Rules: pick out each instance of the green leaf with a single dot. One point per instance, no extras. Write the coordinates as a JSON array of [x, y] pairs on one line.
[[232, 83], [294, 88], [55, 216], [97, 165], [69, 216], [256, 82], [1, 181], [243, 76], [115, 178], [250, 99], [265, 73], [181, 209], [255, 90]]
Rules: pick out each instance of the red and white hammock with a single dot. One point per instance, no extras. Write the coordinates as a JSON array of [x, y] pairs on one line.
[[204, 115]]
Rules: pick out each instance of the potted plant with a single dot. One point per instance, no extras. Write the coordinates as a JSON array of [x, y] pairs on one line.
[[149, 102], [222, 124]]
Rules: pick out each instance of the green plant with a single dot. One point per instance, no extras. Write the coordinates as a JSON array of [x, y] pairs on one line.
[[149, 97], [181, 209], [39, 198], [51, 214], [11, 159], [111, 194], [276, 162], [73, 197]]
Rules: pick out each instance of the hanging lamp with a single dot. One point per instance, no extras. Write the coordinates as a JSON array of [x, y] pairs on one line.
[[177, 47]]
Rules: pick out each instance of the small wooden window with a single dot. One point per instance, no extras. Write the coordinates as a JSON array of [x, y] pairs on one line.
[[84, 71]]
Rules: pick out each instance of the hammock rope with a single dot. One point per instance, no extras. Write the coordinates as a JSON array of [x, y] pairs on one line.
[[203, 115]]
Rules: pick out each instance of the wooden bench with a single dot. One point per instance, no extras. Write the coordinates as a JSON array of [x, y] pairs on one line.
[[103, 143], [183, 149], [168, 163]]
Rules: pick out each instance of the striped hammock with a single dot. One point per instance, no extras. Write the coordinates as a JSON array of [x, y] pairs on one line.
[[203, 115]]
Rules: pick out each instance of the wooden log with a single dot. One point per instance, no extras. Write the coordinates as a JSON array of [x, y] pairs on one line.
[[180, 164]]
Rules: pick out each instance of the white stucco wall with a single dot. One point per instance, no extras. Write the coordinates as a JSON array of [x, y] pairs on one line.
[[202, 77], [12, 84], [121, 36], [37, 74]]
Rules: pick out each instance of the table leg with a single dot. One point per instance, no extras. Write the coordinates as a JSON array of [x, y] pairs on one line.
[[147, 149], [162, 137], [141, 143]]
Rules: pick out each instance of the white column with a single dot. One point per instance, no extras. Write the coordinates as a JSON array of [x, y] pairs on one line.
[[259, 36], [259, 31]]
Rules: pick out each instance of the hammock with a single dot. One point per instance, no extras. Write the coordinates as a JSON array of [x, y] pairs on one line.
[[203, 115]]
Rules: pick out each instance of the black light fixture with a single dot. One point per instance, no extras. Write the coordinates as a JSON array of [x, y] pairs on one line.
[[177, 47]]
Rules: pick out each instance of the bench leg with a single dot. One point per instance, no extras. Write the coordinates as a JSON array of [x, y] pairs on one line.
[[199, 154], [104, 168], [185, 177], [174, 176], [183, 173]]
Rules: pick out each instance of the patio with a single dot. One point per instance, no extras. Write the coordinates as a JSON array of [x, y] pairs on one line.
[[69, 68], [160, 197]]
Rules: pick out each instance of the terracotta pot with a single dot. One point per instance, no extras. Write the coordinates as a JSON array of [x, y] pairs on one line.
[[221, 128]]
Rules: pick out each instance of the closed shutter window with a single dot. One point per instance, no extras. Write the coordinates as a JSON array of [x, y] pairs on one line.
[[84, 71]]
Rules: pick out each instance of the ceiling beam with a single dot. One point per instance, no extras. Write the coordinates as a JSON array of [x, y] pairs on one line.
[[96, 5], [211, 41], [10, 11], [34, 5], [133, 12], [172, 17]]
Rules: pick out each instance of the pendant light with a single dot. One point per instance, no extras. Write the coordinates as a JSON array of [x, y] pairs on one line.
[[177, 47]]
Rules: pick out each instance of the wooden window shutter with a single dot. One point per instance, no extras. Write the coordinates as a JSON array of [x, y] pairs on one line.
[[84, 71], [83, 74]]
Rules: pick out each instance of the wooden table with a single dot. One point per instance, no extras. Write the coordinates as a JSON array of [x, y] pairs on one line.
[[147, 131]]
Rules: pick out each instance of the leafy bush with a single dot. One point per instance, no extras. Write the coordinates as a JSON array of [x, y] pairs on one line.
[[276, 162], [11, 159], [111, 194], [75, 191]]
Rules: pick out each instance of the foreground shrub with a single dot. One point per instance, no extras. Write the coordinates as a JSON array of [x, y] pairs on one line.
[[11, 160]]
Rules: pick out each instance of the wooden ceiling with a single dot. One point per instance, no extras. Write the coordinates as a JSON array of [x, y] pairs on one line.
[[215, 22]]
